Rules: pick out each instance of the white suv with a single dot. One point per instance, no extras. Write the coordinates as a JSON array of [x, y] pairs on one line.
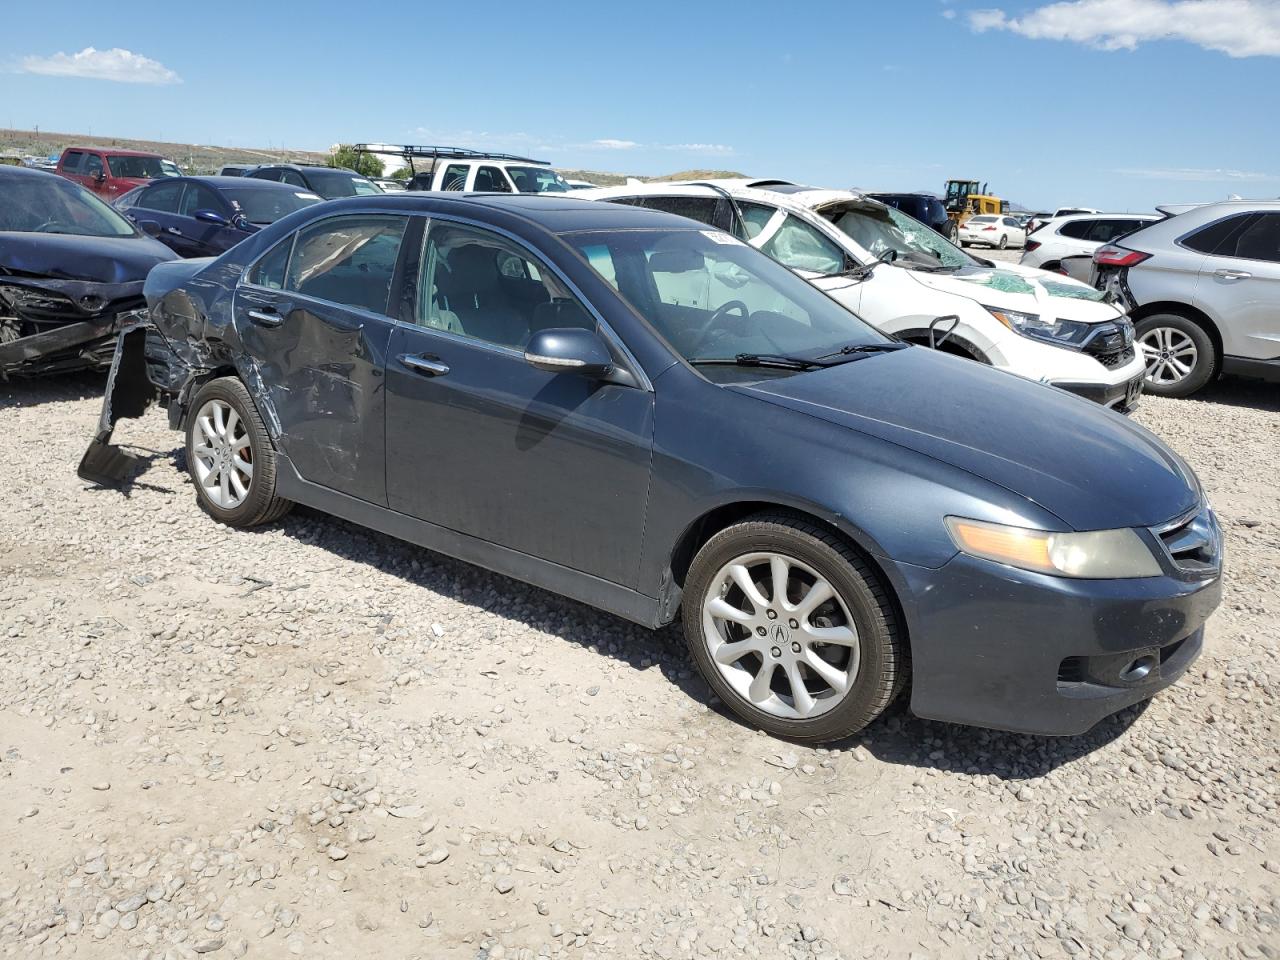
[[1066, 244], [1203, 289], [909, 281], [478, 171]]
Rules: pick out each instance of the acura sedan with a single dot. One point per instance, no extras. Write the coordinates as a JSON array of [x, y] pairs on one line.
[[647, 415]]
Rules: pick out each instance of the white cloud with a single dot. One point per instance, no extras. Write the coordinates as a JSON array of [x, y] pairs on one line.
[[949, 14], [1198, 175], [1238, 28], [121, 66], [719, 148], [608, 143]]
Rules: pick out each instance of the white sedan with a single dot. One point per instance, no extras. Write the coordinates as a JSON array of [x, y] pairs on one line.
[[994, 230]]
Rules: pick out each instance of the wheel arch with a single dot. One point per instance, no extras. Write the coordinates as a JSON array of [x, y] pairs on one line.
[[1194, 314], [715, 519], [956, 344]]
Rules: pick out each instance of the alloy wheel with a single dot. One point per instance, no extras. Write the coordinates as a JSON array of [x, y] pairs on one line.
[[780, 635], [1170, 354], [223, 454]]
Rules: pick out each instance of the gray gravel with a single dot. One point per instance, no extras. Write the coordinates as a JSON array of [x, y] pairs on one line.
[[316, 741]]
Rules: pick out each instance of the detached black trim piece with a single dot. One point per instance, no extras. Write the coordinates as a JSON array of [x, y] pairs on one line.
[[1248, 367], [128, 395]]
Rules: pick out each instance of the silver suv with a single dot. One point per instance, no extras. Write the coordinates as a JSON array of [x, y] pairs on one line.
[[1203, 290]]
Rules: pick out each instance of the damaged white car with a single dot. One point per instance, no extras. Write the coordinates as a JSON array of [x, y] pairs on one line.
[[907, 280]]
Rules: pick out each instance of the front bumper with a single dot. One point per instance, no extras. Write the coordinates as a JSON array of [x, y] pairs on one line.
[[1122, 396], [997, 647]]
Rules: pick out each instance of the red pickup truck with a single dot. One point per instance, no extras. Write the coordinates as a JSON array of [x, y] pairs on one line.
[[109, 172]]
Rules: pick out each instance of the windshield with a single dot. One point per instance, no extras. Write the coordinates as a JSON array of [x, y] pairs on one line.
[[537, 180], [267, 206], [713, 297], [340, 183], [880, 229], [48, 204], [143, 168]]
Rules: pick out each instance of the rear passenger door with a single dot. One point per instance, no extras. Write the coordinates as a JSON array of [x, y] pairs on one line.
[[314, 312], [156, 211]]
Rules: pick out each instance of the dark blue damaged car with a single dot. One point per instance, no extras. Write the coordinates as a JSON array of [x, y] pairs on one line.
[[648, 416]]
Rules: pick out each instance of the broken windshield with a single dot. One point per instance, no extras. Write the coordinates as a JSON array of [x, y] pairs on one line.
[[880, 229]]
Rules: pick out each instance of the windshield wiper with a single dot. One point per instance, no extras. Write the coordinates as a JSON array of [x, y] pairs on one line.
[[857, 350], [774, 360]]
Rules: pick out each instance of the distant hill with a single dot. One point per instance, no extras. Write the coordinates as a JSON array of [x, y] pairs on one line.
[[200, 159]]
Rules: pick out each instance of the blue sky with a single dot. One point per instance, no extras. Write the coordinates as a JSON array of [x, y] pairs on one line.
[[1118, 104]]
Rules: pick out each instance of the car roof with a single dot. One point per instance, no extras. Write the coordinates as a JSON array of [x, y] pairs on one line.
[[246, 183], [1066, 218], [779, 193], [118, 152], [307, 167], [554, 213], [8, 171]]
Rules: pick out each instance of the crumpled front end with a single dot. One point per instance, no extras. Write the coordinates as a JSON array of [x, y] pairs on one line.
[[51, 325]]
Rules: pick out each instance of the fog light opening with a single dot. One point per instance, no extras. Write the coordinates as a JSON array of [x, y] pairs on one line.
[[1140, 669]]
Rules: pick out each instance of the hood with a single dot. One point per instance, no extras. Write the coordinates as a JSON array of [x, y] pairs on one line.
[[1024, 289], [1091, 467], [59, 256]]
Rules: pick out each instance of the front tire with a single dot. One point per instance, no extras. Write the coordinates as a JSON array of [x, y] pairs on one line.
[[1004, 241], [230, 456], [792, 629], [1179, 354]]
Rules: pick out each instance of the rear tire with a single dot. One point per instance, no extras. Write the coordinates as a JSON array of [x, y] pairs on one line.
[[845, 652], [1004, 241], [1180, 355], [230, 456]]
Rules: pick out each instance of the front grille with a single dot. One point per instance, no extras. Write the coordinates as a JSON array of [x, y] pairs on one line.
[[1111, 344], [1194, 543], [1113, 360]]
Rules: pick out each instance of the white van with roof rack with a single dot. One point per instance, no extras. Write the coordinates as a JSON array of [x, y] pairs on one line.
[[907, 280], [472, 171]]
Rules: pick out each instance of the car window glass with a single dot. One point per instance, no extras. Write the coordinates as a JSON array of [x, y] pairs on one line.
[[1010, 222], [1259, 240], [455, 177], [1209, 238], [270, 270], [702, 209], [71, 163], [92, 165], [58, 205], [293, 177], [199, 197], [267, 174], [490, 179], [601, 261], [347, 260], [790, 240], [163, 198], [477, 284]]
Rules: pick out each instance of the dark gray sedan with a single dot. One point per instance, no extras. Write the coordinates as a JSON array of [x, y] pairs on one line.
[[649, 416]]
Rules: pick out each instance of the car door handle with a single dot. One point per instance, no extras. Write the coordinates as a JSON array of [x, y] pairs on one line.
[[424, 365], [1233, 274], [174, 230], [268, 318]]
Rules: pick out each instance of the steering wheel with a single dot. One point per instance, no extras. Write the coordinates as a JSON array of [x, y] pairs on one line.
[[721, 312]]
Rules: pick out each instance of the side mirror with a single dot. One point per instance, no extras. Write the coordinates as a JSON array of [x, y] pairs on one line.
[[212, 216], [569, 350], [100, 176], [150, 227]]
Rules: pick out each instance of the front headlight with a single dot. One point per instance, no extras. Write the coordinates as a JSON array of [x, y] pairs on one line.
[[1069, 332], [1093, 555]]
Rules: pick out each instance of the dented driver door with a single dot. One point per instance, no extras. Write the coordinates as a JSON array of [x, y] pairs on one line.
[[314, 320]]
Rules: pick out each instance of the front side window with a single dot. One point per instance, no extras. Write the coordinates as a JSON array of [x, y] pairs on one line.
[[537, 180], [142, 168], [1215, 235], [347, 260], [267, 206], [480, 285], [199, 197], [270, 270], [93, 165], [790, 240], [162, 198], [491, 180], [57, 205], [713, 297]]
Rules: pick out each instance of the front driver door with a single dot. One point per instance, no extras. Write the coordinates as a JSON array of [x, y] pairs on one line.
[[313, 315], [553, 465]]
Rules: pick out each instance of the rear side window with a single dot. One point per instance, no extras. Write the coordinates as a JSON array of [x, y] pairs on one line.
[[455, 177], [347, 260], [1076, 229], [71, 162], [163, 198], [1259, 240], [1210, 238], [270, 270], [702, 209]]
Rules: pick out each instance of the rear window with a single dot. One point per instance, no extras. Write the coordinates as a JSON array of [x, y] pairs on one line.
[[982, 219]]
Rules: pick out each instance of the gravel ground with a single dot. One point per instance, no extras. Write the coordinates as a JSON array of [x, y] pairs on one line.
[[313, 740]]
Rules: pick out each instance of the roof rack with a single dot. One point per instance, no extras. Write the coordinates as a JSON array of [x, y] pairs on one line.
[[410, 152]]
